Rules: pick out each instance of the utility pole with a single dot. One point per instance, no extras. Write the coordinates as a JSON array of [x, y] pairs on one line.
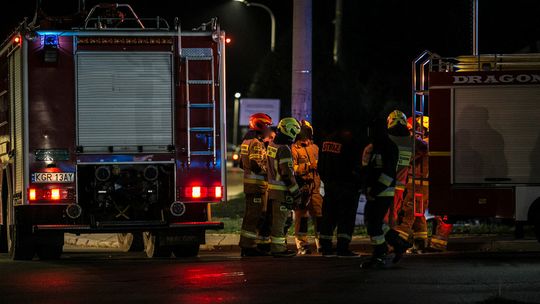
[[337, 31], [301, 60]]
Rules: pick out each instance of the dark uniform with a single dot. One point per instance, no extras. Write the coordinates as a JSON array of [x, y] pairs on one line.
[[339, 165], [383, 159]]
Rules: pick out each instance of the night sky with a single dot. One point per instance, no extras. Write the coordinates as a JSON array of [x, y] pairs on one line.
[[382, 35]]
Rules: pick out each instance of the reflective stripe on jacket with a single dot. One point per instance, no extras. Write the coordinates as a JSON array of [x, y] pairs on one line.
[[253, 158], [281, 180]]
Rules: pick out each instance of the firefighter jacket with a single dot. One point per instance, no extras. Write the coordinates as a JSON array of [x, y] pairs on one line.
[[305, 159], [421, 163], [281, 180], [380, 160], [339, 160], [253, 161], [405, 156]]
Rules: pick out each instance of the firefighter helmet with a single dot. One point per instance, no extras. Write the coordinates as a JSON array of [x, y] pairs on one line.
[[396, 118], [425, 122], [306, 130], [259, 121], [289, 127]]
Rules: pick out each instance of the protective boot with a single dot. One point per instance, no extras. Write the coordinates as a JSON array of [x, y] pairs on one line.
[[284, 254], [378, 260], [343, 251], [264, 247], [399, 245], [419, 245]]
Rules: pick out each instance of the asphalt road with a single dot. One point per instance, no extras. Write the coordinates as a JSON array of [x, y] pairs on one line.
[[115, 277]]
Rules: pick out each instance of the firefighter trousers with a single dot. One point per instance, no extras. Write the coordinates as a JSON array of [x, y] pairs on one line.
[[249, 234], [413, 227], [338, 210], [439, 240], [395, 212], [277, 228], [374, 213], [313, 208]]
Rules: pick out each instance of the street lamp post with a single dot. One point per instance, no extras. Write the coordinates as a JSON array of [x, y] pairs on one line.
[[237, 96], [272, 19]]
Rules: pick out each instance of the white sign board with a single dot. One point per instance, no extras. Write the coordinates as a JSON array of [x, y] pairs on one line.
[[249, 106]]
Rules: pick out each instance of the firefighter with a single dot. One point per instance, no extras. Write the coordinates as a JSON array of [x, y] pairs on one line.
[[384, 161], [339, 168], [265, 221], [283, 191], [413, 226], [305, 157], [253, 161]]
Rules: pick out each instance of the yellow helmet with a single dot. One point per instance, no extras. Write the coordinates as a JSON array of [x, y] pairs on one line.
[[289, 126], [425, 122], [396, 118]]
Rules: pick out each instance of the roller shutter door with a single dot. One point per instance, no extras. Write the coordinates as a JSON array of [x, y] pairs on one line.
[[497, 135], [124, 100]]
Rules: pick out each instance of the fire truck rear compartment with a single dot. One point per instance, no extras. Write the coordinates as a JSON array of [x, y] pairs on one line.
[[125, 192]]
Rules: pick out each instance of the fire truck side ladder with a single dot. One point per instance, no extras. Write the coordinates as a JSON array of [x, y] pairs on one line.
[[421, 67], [200, 54]]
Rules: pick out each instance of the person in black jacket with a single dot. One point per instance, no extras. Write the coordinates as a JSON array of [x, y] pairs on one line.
[[388, 154], [339, 168]]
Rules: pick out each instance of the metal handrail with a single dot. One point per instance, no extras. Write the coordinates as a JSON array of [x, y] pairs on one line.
[[421, 66], [112, 5], [159, 21]]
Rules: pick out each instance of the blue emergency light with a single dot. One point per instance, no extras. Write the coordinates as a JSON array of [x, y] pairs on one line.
[[50, 41]]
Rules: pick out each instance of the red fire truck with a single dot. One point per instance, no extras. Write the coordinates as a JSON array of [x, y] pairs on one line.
[[111, 123], [484, 137]]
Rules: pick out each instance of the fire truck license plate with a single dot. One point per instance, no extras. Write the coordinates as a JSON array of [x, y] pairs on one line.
[[53, 177]]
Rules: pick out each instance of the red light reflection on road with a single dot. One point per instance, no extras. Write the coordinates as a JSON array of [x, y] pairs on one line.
[[206, 283], [206, 275], [48, 282]]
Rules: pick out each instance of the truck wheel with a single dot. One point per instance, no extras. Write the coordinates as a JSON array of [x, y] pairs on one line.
[[3, 239], [534, 217], [3, 234], [536, 224], [50, 247], [186, 250], [3, 214], [132, 242], [152, 246], [20, 243]]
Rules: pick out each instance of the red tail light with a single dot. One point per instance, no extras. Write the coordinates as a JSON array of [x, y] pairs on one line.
[[218, 192], [196, 192], [199, 192], [32, 194], [55, 194]]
